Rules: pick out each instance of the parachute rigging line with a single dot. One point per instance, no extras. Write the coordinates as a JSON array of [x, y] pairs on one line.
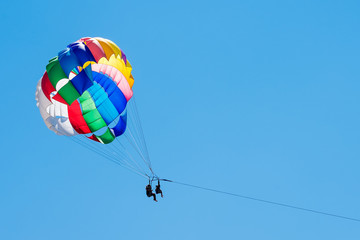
[[140, 129], [118, 153], [265, 201], [108, 157]]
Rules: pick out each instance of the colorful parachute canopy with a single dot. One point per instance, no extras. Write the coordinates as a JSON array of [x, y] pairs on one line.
[[85, 90]]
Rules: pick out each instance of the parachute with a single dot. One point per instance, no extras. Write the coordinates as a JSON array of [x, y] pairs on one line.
[[86, 94]]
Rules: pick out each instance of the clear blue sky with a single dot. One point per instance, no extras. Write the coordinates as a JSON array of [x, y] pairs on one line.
[[254, 97]]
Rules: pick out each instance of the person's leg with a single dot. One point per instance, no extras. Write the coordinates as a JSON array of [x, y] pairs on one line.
[[154, 195], [158, 191]]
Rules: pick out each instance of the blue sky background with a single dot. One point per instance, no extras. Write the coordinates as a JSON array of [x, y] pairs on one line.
[[259, 98]]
